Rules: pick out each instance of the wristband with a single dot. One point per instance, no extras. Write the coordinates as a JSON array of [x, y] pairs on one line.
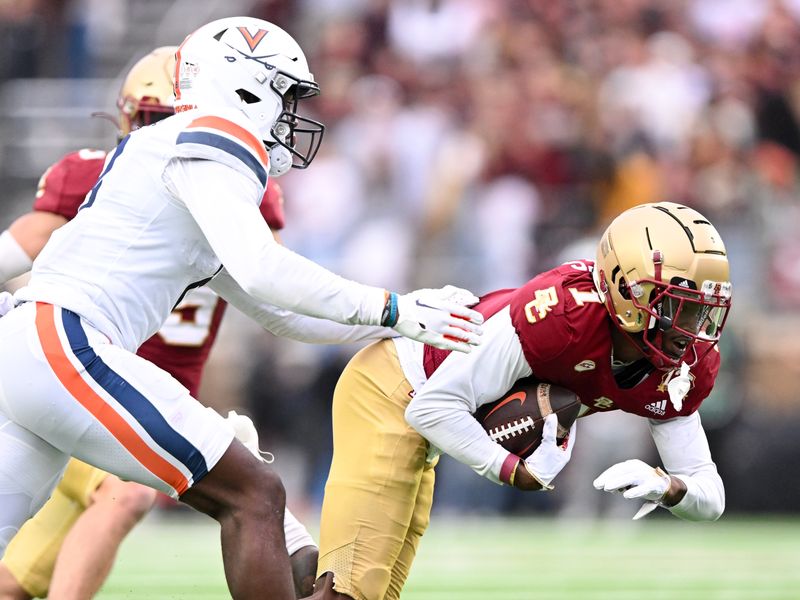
[[509, 469], [545, 487], [389, 316]]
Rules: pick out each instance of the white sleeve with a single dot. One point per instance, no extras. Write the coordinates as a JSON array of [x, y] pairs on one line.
[[295, 532], [441, 410], [683, 448], [14, 261], [285, 323], [224, 203]]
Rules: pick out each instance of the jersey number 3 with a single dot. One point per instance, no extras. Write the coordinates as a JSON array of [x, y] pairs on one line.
[[188, 325]]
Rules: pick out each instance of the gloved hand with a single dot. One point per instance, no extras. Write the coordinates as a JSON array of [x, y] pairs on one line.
[[549, 458], [448, 293], [635, 479], [438, 317], [245, 432]]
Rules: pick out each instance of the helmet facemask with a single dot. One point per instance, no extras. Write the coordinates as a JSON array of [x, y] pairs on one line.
[[300, 136], [136, 113], [679, 317]]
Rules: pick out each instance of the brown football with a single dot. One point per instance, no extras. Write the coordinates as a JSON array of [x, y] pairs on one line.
[[515, 421]]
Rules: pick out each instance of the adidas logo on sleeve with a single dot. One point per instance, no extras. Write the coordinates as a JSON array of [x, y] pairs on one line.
[[658, 408]]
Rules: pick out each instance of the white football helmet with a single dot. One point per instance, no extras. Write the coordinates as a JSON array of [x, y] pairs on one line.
[[258, 68]]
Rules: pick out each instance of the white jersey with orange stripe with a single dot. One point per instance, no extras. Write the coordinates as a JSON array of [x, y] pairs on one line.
[[176, 201]]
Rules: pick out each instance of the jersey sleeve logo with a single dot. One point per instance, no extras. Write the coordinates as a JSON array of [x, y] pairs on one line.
[[541, 305], [231, 138]]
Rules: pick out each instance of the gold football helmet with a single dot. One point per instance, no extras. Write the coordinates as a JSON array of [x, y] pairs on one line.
[[664, 267], [146, 95]]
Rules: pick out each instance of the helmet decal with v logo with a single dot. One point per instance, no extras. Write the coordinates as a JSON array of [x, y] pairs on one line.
[[252, 40]]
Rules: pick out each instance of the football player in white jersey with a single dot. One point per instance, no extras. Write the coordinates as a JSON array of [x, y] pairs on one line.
[[67, 549], [176, 206]]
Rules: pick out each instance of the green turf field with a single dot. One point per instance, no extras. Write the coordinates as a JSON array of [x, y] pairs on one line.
[[658, 559]]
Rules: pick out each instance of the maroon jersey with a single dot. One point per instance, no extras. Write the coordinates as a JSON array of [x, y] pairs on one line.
[[565, 333], [65, 184], [181, 347]]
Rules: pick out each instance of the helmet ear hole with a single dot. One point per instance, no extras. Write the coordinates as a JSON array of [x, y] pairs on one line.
[[624, 290], [247, 97]]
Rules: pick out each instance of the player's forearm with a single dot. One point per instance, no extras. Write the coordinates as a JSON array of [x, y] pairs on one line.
[[311, 330], [275, 275], [683, 447], [285, 323], [14, 261], [443, 407], [224, 205], [704, 499], [288, 280], [458, 434]]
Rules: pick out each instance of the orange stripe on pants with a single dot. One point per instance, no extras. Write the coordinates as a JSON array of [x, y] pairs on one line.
[[71, 379]]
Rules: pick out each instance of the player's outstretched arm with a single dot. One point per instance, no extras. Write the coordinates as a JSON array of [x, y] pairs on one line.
[[689, 486], [442, 408], [285, 323], [22, 242], [224, 204], [636, 480]]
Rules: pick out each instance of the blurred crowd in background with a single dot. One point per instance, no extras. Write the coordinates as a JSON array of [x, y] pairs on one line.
[[478, 142]]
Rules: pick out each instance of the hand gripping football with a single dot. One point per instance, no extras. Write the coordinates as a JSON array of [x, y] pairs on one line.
[[515, 421]]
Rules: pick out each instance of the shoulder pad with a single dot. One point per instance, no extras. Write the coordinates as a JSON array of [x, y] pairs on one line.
[[224, 136]]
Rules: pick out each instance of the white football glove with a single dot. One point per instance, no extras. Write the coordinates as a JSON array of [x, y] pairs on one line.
[[245, 432], [635, 479], [439, 317], [549, 458]]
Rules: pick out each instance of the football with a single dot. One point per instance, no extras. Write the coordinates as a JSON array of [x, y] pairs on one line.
[[515, 421]]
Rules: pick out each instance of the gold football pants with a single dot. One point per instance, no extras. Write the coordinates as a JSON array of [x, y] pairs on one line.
[[31, 554], [380, 489]]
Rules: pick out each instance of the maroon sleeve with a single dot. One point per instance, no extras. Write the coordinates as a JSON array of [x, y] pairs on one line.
[[184, 363], [540, 315], [272, 206], [65, 184]]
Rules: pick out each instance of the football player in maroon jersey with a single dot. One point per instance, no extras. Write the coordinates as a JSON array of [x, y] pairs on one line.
[[636, 330], [91, 512]]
